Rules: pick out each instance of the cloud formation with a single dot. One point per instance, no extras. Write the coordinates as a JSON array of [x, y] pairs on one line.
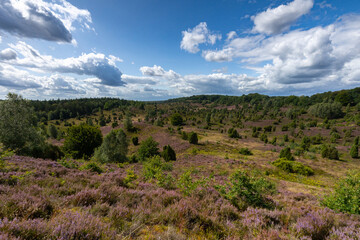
[[300, 56], [200, 34], [92, 64], [39, 19], [279, 19]]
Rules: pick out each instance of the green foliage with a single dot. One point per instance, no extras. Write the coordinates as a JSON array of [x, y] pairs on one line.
[[176, 119], [3, 155], [286, 138], [114, 148], [155, 166], [53, 132], [233, 133], [327, 110], [346, 197], [130, 178], [264, 138], [286, 153], [187, 184], [184, 135], [135, 141], [293, 167], [148, 148], [193, 138], [305, 143], [92, 166], [69, 163], [245, 151], [128, 125], [354, 151], [244, 190], [81, 140], [168, 153], [17, 123], [329, 151]]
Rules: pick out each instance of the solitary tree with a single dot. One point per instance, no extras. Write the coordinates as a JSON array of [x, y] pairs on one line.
[[114, 147], [148, 148], [17, 123], [176, 120], [168, 153], [81, 140], [128, 125], [193, 138]]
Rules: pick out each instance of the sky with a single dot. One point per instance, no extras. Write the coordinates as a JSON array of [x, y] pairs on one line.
[[161, 49]]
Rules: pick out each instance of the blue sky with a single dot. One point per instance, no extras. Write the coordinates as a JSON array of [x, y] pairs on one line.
[[158, 49]]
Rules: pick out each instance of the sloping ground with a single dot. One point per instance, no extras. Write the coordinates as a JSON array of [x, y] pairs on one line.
[[41, 199]]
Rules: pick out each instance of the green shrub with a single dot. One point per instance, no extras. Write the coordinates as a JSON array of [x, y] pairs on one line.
[[293, 167], [52, 131], [264, 138], [354, 151], [305, 143], [155, 166], [176, 120], [286, 153], [81, 140], [330, 152], [187, 184], [193, 138], [245, 151], [135, 141], [346, 195], [113, 149], [92, 166], [244, 190], [184, 135], [168, 154], [128, 125], [233, 133], [148, 148]]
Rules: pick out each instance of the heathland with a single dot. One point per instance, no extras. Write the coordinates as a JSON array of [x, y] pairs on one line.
[[200, 167]]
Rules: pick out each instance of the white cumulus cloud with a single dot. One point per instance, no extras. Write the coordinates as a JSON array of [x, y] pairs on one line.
[[200, 34], [279, 19]]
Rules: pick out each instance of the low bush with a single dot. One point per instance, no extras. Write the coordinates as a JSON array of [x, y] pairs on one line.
[[286, 153], [245, 151], [293, 167], [346, 195], [244, 190], [92, 166], [330, 152], [233, 133], [148, 148], [193, 138], [168, 153]]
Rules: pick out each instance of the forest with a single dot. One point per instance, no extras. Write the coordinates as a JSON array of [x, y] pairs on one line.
[[199, 167]]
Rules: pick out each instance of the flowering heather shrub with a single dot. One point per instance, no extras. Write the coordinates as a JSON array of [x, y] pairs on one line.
[[315, 224], [79, 225], [348, 232], [25, 229], [85, 197], [24, 205]]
